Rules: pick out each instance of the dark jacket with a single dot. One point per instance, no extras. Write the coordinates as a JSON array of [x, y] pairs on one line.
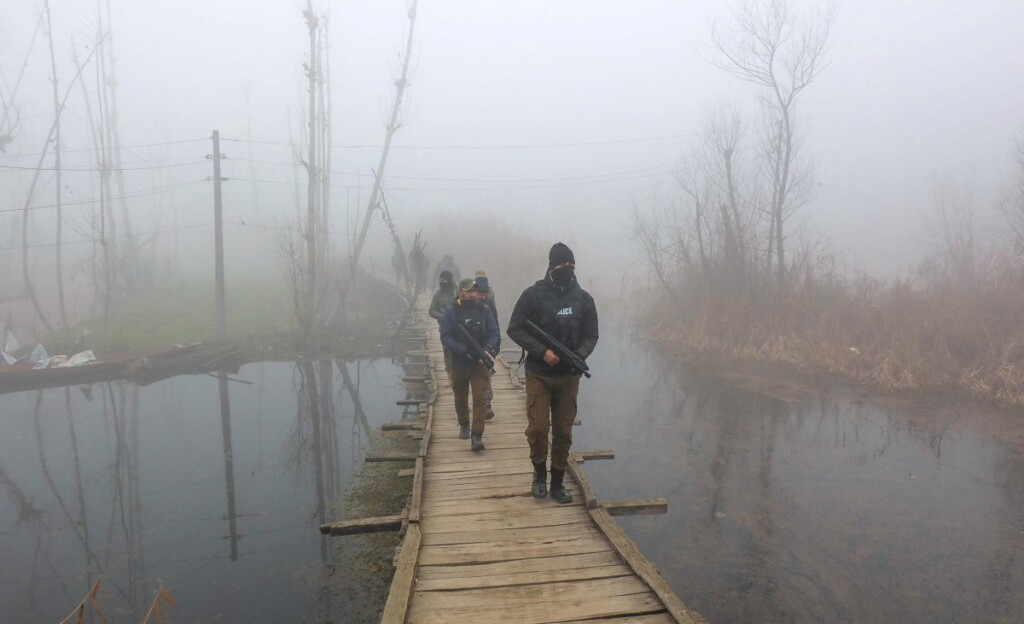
[[441, 301], [568, 314], [478, 321]]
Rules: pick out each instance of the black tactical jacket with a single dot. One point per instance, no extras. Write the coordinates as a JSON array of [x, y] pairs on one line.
[[568, 314]]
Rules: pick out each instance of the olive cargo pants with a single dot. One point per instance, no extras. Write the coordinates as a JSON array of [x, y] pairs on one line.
[[464, 377], [550, 405]]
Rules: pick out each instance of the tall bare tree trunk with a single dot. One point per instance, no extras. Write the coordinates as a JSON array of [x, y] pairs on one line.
[[393, 125], [311, 173], [57, 166]]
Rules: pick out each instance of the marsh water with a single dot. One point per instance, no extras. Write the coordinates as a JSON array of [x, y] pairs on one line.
[[784, 505], [213, 485], [825, 506]]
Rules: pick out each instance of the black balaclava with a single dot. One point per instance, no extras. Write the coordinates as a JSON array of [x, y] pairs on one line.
[[445, 281], [561, 254]]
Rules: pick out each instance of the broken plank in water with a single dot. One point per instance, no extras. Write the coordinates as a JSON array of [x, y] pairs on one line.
[[402, 426], [581, 456], [636, 506], [392, 457], [363, 525]]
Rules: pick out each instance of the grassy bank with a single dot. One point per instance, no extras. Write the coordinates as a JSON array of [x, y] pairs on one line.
[[965, 336], [259, 318]]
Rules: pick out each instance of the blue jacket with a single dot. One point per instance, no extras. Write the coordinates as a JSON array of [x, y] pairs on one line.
[[452, 339]]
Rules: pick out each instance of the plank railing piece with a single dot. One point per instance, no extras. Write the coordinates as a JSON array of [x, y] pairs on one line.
[[397, 604], [392, 457], [415, 435], [424, 443], [640, 506], [411, 401], [416, 379], [405, 473], [632, 556], [581, 479], [417, 491], [362, 525]]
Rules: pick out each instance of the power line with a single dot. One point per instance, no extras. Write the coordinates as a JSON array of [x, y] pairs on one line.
[[97, 169], [583, 182], [95, 200], [124, 147], [493, 147], [100, 240], [501, 181]]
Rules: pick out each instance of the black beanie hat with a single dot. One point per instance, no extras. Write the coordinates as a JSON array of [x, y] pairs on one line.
[[445, 275], [560, 254]]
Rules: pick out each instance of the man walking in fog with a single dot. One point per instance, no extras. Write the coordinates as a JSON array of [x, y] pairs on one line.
[[561, 308], [443, 299], [468, 369], [483, 286]]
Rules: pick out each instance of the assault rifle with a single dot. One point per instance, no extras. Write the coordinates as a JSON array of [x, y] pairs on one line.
[[563, 352], [474, 349]]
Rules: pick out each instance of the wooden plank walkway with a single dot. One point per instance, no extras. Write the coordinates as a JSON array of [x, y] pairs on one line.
[[479, 548]]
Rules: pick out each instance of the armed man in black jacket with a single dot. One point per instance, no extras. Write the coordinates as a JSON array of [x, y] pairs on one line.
[[566, 312]]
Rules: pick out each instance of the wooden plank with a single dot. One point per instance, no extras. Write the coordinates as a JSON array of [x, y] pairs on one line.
[[362, 525], [576, 530], [649, 618], [411, 402], [405, 473], [397, 604], [424, 444], [581, 456], [576, 609], [520, 566], [628, 550], [408, 425], [581, 479], [531, 594], [489, 552], [648, 506], [417, 491], [524, 578], [440, 525], [391, 457]]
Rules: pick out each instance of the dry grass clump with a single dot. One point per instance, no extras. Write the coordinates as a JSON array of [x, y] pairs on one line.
[[964, 335]]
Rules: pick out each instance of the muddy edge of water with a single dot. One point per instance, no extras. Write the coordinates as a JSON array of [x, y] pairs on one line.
[[364, 567]]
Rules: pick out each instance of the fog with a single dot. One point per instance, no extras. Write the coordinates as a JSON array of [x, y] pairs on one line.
[[554, 116]]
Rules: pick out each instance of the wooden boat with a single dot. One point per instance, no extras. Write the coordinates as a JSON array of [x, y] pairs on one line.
[[108, 367]]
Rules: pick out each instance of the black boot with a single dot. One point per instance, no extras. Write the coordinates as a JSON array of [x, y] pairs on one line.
[[558, 491], [477, 443], [540, 480], [463, 431]]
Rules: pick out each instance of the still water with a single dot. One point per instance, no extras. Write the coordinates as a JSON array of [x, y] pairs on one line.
[[821, 508], [213, 486]]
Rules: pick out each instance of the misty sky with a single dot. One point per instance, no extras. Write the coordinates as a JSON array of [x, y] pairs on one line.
[[536, 109]]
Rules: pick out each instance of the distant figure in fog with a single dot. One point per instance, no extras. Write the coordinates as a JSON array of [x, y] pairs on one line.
[[447, 263], [566, 312], [485, 289], [443, 299]]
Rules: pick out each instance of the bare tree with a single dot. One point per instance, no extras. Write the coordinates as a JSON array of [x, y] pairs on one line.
[[393, 124], [774, 47], [57, 166], [29, 287], [951, 231], [1011, 203]]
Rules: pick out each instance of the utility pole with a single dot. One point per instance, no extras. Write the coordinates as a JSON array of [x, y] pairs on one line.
[[220, 320]]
